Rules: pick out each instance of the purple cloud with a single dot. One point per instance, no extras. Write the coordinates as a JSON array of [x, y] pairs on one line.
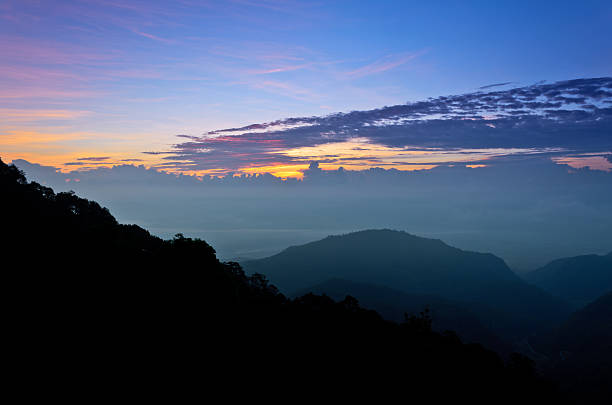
[[570, 115]]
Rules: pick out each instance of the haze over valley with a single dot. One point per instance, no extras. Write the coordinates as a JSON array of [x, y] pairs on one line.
[[512, 171]]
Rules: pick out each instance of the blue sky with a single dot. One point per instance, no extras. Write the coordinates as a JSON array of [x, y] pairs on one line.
[[115, 78]]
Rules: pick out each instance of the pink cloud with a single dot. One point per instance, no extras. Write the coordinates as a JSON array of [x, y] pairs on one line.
[[580, 162], [28, 73], [24, 93], [28, 115], [18, 49]]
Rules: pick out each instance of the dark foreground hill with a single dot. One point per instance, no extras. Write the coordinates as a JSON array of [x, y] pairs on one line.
[[579, 279], [589, 329], [580, 351], [395, 305], [96, 309], [482, 282]]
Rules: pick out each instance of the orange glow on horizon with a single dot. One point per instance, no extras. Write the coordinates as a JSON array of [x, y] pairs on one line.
[[282, 171], [68, 151], [73, 152]]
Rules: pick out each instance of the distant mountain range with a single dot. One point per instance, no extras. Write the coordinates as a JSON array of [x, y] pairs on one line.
[[482, 282], [579, 279]]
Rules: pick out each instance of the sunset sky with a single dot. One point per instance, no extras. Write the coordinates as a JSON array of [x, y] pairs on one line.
[[90, 83]]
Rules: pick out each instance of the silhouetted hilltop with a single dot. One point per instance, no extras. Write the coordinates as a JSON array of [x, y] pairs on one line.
[[483, 282], [411, 262], [394, 305], [91, 300], [578, 279]]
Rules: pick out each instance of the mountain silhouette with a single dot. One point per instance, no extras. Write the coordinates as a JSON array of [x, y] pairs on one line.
[[394, 305], [580, 351], [90, 300], [483, 282], [578, 279], [589, 329]]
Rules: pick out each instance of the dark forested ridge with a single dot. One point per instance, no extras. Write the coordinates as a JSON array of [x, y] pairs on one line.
[[393, 305], [96, 307], [588, 328], [482, 282], [579, 279], [579, 352]]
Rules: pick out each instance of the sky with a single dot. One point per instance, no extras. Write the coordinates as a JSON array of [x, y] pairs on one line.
[[88, 83]]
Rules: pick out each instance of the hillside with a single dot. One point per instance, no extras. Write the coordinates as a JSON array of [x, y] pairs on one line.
[[580, 351], [395, 305], [589, 329], [483, 282], [100, 299], [579, 279]]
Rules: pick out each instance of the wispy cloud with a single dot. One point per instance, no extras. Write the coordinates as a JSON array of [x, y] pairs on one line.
[[50, 93], [261, 51], [382, 65], [280, 69], [488, 86], [94, 158], [286, 89], [30, 115], [41, 51], [153, 37], [284, 6]]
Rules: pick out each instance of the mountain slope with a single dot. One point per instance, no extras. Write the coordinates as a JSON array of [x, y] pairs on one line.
[[578, 279], [589, 329], [580, 351], [88, 298], [421, 266], [395, 305]]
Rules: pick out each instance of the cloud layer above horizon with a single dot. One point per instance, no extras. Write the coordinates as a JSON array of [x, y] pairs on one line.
[[569, 121], [82, 79]]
